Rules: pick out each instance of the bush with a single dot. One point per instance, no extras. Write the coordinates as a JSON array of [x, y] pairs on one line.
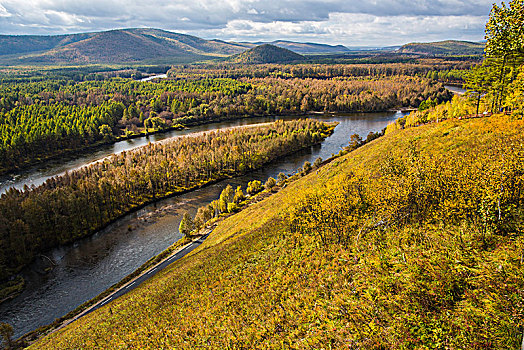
[[253, 187], [270, 183], [233, 207], [317, 163], [239, 195], [306, 168]]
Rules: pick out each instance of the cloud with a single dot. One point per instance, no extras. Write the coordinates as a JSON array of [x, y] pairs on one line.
[[334, 21], [357, 29], [3, 12]]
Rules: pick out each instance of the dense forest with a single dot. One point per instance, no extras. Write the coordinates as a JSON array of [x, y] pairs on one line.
[[46, 118], [68, 207], [447, 71]]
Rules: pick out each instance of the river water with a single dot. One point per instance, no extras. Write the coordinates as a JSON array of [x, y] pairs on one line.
[[89, 266], [455, 89]]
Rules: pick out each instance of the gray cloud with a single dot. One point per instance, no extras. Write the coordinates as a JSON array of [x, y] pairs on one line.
[[335, 21]]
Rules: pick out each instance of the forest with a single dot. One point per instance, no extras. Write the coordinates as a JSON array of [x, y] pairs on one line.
[[81, 202], [47, 118], [442, 70]]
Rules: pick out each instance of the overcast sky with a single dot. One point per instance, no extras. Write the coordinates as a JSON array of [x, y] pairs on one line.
[[346, 22]]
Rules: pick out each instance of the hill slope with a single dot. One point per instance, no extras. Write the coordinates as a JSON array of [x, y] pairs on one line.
[[115, 46], [412, 241], [266, 53], [444, 48]]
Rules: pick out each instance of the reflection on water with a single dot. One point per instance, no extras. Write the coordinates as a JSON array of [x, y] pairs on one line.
[[88, 267]]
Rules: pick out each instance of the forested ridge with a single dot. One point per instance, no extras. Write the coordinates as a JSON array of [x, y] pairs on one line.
[[43, 119], [72, 206]]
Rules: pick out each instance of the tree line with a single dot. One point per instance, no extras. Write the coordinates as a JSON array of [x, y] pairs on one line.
[[420, 67], [43, 119]]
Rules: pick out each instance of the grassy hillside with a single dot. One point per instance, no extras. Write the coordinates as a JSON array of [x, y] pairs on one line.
[[411, 241], [114, 46], [444, 48], [266, 53]]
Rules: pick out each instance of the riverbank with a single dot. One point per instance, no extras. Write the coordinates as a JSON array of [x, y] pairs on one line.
[[144, 199], [65, 153], [154, 262]]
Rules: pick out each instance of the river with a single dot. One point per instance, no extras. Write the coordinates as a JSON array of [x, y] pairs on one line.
[[159, 76], [455, 89], [38, 174], [89, 266]]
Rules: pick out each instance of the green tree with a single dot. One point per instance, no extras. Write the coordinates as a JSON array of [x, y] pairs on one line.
[[147, 124], [186, 225], [515, 99], [227, 194], [317, 163], [253, 187], [106, 132], [355, 141], [306, 168], [239, 195], [203, 215], [478, 83], [505, 44], [157, 105]]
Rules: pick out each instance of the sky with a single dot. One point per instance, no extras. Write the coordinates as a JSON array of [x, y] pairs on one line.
[[348, 22]]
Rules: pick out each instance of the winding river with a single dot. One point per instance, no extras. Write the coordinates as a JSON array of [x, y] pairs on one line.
[[86, 268]]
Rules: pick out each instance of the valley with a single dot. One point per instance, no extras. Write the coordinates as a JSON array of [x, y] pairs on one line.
[[257, 175]]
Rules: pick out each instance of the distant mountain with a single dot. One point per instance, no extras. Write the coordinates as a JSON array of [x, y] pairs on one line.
[[115, 46], [266, 53], [310, 48], [444, 48], [304, 48]]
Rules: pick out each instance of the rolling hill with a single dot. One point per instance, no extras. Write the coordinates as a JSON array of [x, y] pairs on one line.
[[114, 46], [266, 53], [304, 48], [135, 45], [412, 241], [444, 48]]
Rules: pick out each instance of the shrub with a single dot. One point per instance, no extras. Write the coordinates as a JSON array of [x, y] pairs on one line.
[[270, 183], [253, 187]]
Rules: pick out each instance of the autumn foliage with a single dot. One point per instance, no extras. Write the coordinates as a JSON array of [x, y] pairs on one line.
[[81, 202], [413, 240]]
